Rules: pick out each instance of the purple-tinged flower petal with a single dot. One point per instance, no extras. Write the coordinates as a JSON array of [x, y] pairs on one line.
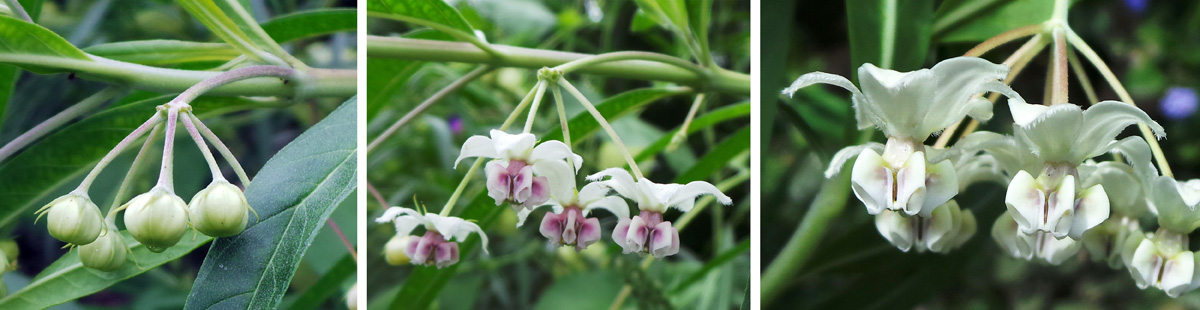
[[570, 230], [425, 247], [620, 235], [447, 254], [552, 228], [638, 232], [664, 240], [539, 192], [498, 181], [589, 233]]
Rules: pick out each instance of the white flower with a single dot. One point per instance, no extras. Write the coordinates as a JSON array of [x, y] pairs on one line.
[[647, 233], [1161, 261], [946, 229], [511, 176], [435, 247], [1039, 244], [901, 180], [568, 223]]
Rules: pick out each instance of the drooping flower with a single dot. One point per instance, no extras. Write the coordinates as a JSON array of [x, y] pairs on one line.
[[946, 229], [568, 223], [1064, 136], [647, 233], [510, 177], [908, 107], [1127, 203], [1161, 260], [1042, 245], [434, 248]]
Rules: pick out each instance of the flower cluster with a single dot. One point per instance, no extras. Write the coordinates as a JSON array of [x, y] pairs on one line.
[[1058, 198], [527, 175], [158, 218]]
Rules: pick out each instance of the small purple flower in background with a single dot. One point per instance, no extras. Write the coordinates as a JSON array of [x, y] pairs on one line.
[[456, 124], [1138, 6], [1179, 102], [510, 176]]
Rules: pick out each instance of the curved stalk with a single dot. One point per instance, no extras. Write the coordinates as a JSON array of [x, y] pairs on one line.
[[1112, 81], [603, 124], [537, 102], [233, 76], [166, 176], [470, 76], [112, 154], [134, 169], [208, 156], [630, 55], [220, 146]]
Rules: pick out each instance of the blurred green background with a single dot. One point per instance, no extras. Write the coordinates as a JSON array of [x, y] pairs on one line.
[[521, 273], [253, 135], [1151, 47]]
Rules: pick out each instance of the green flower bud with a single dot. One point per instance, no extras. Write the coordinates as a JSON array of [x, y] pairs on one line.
[[74, 219], [157, 219], [106, 254], [220, 210], [394, 251]]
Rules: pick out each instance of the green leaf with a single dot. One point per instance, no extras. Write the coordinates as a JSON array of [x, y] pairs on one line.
[[30, 44], [211, 15], [306, 24], [436, 11], [711, 265], [386, 79], [8, 82], [163, 52], [73, 150], [700, 122], [328, 284], [613, 108], [718, 157], [67, 279], [669, 14], [295, 192], [978, 20], [566, 293], [891, 34]]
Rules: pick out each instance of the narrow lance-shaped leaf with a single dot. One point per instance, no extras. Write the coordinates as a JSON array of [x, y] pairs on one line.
[[29, 44], [295, 192], [436, 11], [891, 34]]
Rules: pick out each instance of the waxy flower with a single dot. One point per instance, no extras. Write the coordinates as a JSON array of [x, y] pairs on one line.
[[908, 107], [1162, 261], [946, 229], [1064, 136], [1039, 244], [510, 177], [647, 233], [434, 248], [1127, 202], [568, 224]]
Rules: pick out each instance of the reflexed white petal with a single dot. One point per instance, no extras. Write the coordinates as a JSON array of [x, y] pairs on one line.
[[864, 117], [561, 179], [1144, 264], [405, 219], [1024, 113], [620, 181], [1130, 245], [1173, 212], [477, 146], [979, 108], [515, 146], [555, 150], [1053, 133], [910, 185], [592, 192], [977, 169], [872, 181], [1101, 124], [689, 192], [1008, 152], [959, 80], [845, 154], [941, 184], [901, 99], [1190, 192], [457, 228], [1090, 210], [896, 229], [1177, 274], [523, 213], [1060, 209], [613, 204], [1055, 251], [1004, 231], [1137, 154], [1025, 201], [655, 196]]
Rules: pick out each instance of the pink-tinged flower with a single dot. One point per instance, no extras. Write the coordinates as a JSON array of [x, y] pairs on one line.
[[568, 224], [647, 233], [511, 176], [434, 248]]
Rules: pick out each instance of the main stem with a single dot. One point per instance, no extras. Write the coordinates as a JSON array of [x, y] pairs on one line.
[[603, 124], [716, 79]]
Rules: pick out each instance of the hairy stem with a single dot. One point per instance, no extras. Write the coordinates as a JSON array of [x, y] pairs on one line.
[[717, 80], [1005, 37], [1059, 93], [166, 178], [221, 148], [1081, 75], [1112, 81], [58, 120], [208, 156], [108, 158], [470, 76], [603, 124]]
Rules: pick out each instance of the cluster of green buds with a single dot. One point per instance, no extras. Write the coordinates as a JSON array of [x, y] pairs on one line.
[[158, 218]]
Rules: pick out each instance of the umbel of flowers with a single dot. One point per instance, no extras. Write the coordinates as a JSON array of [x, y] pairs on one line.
[[527, 174]]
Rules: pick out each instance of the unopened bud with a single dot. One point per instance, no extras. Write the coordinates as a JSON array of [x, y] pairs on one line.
[[157, 219], [106, 254], [220, 210], [74, 219]]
